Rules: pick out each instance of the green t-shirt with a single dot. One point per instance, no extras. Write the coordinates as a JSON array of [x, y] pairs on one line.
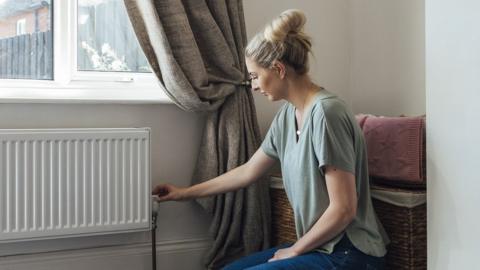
[[330, 136]]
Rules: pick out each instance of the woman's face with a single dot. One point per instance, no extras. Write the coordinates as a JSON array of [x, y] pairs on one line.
[[267, 80]]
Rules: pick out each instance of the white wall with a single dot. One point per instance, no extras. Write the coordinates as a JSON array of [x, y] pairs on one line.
[[170, 256], [371, 53], [453, 125], [175, 141], [387, 53], [327, 23]]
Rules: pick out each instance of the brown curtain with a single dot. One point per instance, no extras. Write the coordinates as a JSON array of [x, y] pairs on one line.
[[195, 47]]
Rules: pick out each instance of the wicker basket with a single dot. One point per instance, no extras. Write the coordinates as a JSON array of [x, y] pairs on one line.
[[283, 225], [406, 227]]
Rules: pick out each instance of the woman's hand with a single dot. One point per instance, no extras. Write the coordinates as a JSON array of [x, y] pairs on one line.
[[284, 253], [168, 192]]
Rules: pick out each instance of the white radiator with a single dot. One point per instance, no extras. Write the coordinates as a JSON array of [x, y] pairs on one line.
[[71, 182]]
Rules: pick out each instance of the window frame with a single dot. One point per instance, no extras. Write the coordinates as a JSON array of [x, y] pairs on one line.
[[21, 26], [72, 86]]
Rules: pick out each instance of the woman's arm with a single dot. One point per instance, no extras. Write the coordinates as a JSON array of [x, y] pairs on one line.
[[235, 179], [340, 212]]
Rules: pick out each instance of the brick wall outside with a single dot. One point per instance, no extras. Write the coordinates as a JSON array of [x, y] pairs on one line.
[[8, 26]]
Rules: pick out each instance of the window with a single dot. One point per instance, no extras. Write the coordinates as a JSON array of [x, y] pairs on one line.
[[72, 50], [21, 26], [105, 39], [25, 52]]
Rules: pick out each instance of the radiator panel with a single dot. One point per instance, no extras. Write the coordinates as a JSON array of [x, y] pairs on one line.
[[71, 182]]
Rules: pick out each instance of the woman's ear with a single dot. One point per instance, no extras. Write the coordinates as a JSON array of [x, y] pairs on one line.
[[279, 68]]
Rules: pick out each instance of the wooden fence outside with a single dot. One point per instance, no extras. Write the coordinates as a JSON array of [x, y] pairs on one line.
[[108, 23], [28, 56]]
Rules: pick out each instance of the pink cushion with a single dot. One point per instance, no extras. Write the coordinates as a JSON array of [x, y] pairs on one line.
[[361, 119], [395, 147]]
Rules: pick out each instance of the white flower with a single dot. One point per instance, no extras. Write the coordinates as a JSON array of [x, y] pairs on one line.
[[106, 49], [107, 60], [118, 65]]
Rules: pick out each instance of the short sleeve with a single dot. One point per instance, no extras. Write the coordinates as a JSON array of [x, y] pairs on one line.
[[333, 143], [269, 144]]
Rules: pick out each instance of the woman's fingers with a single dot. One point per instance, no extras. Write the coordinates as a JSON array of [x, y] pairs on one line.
[[162, 192], [162, 198], [167, 192], [274, 258], [158, 189]]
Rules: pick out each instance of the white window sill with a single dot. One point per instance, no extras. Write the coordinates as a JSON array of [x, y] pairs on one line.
[[90, 95]]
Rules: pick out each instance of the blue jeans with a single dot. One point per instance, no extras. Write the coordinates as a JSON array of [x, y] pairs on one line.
[[345, 257]]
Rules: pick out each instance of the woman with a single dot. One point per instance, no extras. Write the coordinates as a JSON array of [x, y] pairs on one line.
[[323, 158]]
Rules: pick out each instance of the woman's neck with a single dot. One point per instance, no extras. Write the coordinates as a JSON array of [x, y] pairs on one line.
[[301, 92]]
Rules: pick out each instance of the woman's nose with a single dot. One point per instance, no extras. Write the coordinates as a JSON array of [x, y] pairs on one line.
[[255, 86]]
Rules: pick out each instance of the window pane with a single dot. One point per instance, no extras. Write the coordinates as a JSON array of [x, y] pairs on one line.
[[26, 45], [106, 41]]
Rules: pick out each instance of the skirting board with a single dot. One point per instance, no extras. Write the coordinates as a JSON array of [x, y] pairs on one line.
[[171, 255]]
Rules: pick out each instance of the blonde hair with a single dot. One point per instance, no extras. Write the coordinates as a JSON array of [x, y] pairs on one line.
[[283, 40]]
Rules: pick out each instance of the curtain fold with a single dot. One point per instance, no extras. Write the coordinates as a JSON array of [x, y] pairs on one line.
[[196, 49]]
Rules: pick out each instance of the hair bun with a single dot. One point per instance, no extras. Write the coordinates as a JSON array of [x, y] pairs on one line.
[[290, 21], [284, 40]]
